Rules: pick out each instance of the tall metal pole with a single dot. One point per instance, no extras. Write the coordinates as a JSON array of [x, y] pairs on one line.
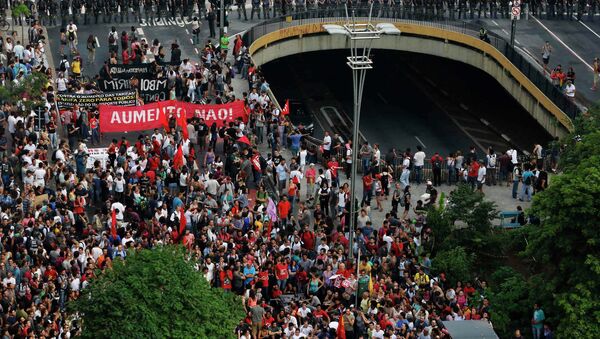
[[221, 20], [513, 28], [359, 65]]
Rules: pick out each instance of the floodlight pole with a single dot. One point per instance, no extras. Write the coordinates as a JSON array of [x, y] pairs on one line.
[[359, 62]]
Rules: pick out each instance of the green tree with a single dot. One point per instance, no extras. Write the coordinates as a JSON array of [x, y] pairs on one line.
[[509, 294], [566, 244], [456, 263], [471, 208], [27, 93], [21, 10], [156, 294]]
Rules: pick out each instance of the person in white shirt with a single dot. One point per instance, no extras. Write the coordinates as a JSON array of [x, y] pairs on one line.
[[419, 159], [481, 176], [570, 90], [39, 176], [119, 210], [327, 145]]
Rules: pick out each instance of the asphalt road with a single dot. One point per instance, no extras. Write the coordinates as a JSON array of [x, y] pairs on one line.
[[397, 112], [574, 44], [166, 31]]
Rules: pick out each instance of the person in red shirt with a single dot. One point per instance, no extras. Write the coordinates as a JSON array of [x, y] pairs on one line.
[[308, 239], [95, 128], [397, 247], [436, 166], [333, 168], [283, 210], [276, 293], [226, 277], [268, 319], [281, 273], [367, 189], [125, 56], [472, 174], [320, 313]]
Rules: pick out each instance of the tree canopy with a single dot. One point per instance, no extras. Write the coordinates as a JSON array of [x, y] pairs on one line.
[[156, 294], [567, 241]]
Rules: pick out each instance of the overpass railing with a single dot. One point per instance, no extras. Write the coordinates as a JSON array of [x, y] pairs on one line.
[[422, 18]]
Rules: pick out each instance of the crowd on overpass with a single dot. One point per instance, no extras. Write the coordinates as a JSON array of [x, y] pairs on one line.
[[84, 12], [268, 223]]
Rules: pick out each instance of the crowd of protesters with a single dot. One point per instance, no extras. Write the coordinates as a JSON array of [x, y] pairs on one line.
[[264, 214]]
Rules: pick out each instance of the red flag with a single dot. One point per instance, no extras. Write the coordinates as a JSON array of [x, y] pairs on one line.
[[182, 122], [164, 117], [113, 224], [341, 332], [244, 140], [286, 108], [178, 158], [182, 223]]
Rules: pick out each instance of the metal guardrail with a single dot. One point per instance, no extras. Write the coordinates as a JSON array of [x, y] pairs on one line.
[[538, 78]]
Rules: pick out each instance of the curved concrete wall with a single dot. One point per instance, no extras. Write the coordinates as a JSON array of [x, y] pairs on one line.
[[541, 108]]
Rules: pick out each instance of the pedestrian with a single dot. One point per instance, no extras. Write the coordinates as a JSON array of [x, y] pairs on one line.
[[527, 179], [491, 167], [211, 17], [113, 37], [91, 49], [570, 90], [546, 52], [419, 162], [481, 175], [537, 322], [196, 24], [436, 167]]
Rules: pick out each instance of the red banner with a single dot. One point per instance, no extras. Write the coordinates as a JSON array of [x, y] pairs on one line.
[[148, 117]]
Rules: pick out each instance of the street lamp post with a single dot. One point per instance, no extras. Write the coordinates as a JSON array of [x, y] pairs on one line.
[[361, 36]]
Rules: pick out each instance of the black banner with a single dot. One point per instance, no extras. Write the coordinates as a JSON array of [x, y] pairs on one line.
[[122, 98], [128, 71], [150, 90]]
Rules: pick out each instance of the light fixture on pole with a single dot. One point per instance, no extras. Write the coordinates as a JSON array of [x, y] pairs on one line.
[[361, 36]]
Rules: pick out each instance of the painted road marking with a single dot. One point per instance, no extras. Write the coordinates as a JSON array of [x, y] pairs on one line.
[[97, 42], [588, 27], [382, 98], [195, 49], [505, 32], [140, 31], [420, 142], [562, 43], [495, 23], [186, 31]]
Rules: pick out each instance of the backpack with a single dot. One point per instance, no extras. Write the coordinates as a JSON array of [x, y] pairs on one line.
[[111, 38], [71, 35], [437, 163], [63, 66], [492, 161], [527, 180], [54, 155]]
